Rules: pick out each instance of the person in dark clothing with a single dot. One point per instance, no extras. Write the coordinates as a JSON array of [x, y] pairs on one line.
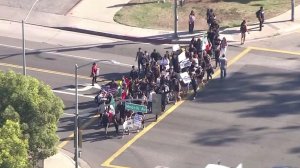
[[143, 86], [156, 71], [209, 71], [210, 16], [198, 46], [194, 85], [260, 14], [243, 30], [139, 58], [164, 92], [155, 55], [133, 73], [217, 57]]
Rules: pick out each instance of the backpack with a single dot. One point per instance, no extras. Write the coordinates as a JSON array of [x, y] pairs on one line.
[[258, 14]]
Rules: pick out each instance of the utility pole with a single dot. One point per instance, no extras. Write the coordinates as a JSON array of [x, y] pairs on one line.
[[76, 118], [293, 10], [23, 48], [77, 133], [23, 38], [175, 19]]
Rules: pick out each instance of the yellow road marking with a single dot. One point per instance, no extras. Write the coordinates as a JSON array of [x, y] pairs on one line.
[[43, 70], [230, 62], [277, 51], [136, 137], [107, 163], [70, 137]]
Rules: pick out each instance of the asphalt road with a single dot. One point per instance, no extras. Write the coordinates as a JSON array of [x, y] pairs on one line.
[[251, 117]]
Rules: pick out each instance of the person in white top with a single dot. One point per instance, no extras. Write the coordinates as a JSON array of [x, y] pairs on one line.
[[192, 19], [223, 46], [150, 100], [165, 63]]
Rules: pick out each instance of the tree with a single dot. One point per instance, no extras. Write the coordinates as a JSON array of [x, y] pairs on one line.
[[38, 109], [13, 146]]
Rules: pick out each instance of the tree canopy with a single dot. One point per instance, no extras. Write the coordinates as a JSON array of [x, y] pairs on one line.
[[13, 146], [37, 109]]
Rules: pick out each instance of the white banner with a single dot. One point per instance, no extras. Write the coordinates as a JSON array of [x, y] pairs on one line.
[[185, 63], [181, 57], [185, 77], [137, 120], [128, 124]]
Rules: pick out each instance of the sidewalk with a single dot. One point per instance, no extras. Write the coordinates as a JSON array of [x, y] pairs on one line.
[[90, 19], [63, 159]]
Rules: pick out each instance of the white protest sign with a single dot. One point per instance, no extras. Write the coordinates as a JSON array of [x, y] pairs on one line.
[[128, 124], [185, 77], [137, 120], [181, 57], [176, 47], [185, 63]]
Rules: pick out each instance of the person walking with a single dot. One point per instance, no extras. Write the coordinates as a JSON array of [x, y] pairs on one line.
[[223, 46], [223, 66], [139, 59], [94, 73], [192, 19], [260, 14], [194, 85], [243, 30], [133, 73]]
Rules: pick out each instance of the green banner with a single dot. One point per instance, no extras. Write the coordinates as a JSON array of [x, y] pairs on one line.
[[136, 107]]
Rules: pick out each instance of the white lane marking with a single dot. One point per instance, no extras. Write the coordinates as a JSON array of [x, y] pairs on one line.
[[68, 93], [87, 86], [112, 62]]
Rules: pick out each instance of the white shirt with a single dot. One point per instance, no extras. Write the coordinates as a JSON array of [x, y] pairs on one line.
[[165, 62], [150, 96]]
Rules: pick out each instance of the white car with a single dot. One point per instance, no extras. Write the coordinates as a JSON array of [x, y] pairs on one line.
[[221, 166]]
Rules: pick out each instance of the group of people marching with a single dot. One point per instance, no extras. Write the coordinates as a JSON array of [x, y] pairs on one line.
[[171, 75], [213, 26]]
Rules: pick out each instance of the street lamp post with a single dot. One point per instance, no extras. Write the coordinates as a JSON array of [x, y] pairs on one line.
[[23, 38], [175, 19], [23, 49], [76, 117], [293, 10]]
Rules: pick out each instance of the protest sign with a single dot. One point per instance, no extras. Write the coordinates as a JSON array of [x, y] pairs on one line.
[[185, 77], [156, 104], [137, 120], [181, 57], [185, 63], [128, 124]]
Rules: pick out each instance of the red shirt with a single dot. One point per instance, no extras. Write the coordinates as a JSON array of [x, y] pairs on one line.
[[94, 69]]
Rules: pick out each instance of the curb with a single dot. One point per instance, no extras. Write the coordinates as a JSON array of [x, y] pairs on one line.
[[69, 155], [117, 36]]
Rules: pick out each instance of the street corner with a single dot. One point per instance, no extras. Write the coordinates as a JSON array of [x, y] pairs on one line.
[[85, 90]]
